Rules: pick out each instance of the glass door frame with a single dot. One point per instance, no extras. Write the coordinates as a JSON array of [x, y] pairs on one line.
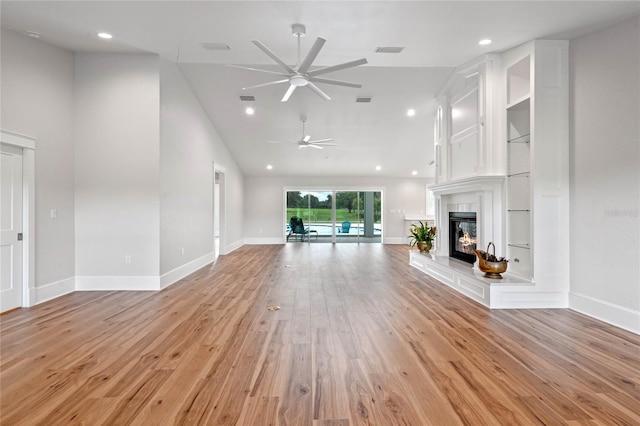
[[309, 189]]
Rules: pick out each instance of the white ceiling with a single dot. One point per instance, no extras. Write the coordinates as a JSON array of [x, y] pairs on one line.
[[437, 37]]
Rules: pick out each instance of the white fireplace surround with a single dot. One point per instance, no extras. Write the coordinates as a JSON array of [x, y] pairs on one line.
[[484, 195]]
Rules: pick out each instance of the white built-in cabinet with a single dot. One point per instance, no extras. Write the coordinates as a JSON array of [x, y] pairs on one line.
[[502, 148], [466, 121]]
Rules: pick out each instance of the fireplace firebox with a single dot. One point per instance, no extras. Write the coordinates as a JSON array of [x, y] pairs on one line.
[[462, 236]]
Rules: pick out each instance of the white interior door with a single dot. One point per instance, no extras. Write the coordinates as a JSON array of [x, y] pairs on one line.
[[11, 228]]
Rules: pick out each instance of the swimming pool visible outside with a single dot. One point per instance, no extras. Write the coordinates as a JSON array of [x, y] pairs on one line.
[[325, 229]]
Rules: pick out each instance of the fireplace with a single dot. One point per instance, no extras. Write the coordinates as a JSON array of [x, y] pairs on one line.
[[462, 236]]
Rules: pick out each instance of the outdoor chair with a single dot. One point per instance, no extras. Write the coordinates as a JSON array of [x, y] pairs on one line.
[[346, 225], [297, 229]]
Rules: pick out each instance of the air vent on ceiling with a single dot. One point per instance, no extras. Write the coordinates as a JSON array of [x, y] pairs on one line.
[[247, 98], [389, 49], [363, 99], [215, 46]]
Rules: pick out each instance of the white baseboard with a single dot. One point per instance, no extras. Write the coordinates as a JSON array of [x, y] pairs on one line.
[[231, 247], [52, 290], [613, 314], [180, 272], [261, 241], [107, 283]]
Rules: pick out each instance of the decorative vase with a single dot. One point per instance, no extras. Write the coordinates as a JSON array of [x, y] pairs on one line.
[[424, 246]]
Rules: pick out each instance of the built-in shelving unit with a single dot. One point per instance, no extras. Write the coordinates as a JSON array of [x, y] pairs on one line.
[[518, 113], [537, 172]]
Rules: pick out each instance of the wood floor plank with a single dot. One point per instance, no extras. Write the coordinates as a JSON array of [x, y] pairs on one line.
[[360, 338]]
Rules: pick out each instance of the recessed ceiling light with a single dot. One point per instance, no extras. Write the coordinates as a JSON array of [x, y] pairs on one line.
[[485, 42], [105, 36], [378, 168], [33, 34], [269, 167], [415, 172], [411, 112], [249, 111]]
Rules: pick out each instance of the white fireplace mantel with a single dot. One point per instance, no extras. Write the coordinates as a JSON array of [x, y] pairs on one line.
[[472, 184], [483, 194]]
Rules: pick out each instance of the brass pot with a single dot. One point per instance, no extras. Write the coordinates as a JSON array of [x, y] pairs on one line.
[[424, 246], [491, 269]]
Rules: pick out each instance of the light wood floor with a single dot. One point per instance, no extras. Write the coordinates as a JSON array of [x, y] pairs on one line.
[[360, 339]]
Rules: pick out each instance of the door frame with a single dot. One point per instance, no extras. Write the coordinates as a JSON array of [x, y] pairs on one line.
[[221, 209], [28, 145]]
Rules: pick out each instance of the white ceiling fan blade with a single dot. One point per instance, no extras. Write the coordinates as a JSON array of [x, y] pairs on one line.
[[306, 138], [257, 69], [287, 95], [323, 144], [315, 146], [336, 82], [311, 56], [321, 140], [273, 56], [269, 83], [318, 92], [337, 67]]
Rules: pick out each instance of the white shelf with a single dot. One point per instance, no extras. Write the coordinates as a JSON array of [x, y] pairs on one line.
[[519, 103]]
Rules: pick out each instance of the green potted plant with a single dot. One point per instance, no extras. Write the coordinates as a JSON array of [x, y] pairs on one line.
[[422, 236]]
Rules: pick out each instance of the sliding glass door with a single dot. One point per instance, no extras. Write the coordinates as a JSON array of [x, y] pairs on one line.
[[333, 216], [348, 217]]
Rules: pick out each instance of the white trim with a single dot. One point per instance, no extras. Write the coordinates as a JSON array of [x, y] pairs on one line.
[[180, 272], [28, 145], [260, 241], [16, 139], [108, 283], [52, 290], [221, 208], [610, 313]]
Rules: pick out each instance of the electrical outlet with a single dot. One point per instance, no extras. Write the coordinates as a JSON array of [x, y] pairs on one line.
[[127, 259], [182, 251], [54, 213]]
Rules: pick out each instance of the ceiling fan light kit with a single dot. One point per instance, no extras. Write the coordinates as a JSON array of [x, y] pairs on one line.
[[300, 75]]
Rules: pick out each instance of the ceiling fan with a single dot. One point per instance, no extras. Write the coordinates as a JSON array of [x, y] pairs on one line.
[[300, 76], [306, 141]]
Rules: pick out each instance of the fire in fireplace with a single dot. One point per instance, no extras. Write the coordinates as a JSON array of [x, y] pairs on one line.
[[462, 236]]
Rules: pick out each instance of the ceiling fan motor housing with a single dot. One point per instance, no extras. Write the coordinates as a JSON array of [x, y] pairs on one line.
[[298, 30], [298, 80]]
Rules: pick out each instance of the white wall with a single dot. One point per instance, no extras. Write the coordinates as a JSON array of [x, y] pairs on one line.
[[605, 174], [264, 217], [117, 146], [37, 100], [189, 145]]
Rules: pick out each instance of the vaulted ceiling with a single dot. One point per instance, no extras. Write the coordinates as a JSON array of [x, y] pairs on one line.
[[437, 36]]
